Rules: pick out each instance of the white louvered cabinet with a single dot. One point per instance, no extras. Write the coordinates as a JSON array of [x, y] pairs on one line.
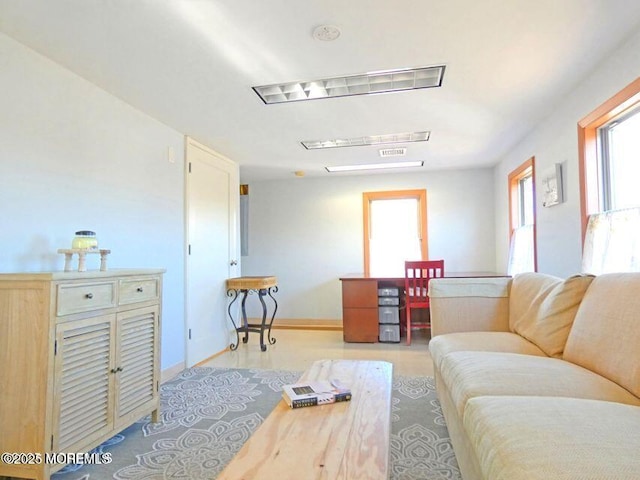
[[81, 352], [84, 382], [137, 380]]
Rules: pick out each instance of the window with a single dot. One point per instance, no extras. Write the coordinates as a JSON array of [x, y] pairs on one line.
[[522, 233], [619, 162], [609, 149], [609, 146], [395, 230]]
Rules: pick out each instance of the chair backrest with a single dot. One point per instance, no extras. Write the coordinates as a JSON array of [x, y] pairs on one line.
[[416, 279]]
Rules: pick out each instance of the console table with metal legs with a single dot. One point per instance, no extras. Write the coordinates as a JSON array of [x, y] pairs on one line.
[[263, 286]]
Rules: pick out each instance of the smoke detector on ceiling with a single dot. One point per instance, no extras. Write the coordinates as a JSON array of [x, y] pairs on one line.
[[393, 152], [326, 33]]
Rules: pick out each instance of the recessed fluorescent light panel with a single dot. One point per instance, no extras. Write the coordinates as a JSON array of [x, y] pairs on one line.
[[373, 166], [365, 141], [362, 84]]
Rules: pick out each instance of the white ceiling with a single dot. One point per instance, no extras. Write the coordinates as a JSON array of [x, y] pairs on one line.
[[191, 64]]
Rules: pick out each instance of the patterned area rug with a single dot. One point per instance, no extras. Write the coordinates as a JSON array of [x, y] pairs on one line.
[[208, 413]]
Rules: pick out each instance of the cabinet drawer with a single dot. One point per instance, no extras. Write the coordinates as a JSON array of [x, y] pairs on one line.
[[388, 301], [388, 292], [389, 315], [134, 290], [389, 334], [84, 297]]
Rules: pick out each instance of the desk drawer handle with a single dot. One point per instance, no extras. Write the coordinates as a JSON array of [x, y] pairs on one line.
[[140, 289], [89, 296]]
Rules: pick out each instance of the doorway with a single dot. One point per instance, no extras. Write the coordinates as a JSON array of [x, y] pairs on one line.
[[212, 249]]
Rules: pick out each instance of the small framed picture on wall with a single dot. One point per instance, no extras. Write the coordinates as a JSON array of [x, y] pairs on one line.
[[552, 193]]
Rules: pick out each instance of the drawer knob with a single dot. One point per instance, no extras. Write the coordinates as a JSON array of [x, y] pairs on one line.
[[140, 289], [89, 295]]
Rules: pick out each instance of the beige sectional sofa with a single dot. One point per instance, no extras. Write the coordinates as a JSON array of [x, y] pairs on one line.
[[539, 377]]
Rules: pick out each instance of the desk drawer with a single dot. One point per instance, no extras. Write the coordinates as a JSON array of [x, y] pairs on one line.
[[360, 325], [85, 297], [134, 290]]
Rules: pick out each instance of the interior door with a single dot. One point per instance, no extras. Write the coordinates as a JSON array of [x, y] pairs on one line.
[[212, 249]]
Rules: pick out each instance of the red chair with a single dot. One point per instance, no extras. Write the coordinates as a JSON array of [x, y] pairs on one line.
[[416, 284]]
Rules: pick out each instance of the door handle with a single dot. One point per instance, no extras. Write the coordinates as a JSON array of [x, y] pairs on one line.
[[233, 262]]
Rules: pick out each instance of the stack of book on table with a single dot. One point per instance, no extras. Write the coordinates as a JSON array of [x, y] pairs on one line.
[[319, 392]]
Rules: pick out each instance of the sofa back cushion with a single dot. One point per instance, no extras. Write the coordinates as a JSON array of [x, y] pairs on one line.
[[605, 337], [469, 305], [542, 308]]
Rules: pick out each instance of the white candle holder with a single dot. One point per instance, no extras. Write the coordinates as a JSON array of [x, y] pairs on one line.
[[82, 255]]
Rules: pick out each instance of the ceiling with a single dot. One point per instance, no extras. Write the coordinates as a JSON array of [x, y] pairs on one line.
[[191, 64]]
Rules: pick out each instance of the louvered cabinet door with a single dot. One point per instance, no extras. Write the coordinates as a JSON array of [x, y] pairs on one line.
[[83, 403], [136, 349]]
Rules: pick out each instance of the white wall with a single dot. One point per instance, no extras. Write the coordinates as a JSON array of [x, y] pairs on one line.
[[73, 157], [308, 231], [556, 141]]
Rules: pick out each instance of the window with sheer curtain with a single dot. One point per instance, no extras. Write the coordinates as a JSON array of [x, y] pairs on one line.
[[394, 231], [612, 242], [522, 254], [610, 167]]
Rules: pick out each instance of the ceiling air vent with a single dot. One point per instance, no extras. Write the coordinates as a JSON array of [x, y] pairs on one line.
[[393, 152]]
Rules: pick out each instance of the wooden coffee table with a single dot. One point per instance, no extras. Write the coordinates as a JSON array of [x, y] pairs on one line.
[[345, 440]]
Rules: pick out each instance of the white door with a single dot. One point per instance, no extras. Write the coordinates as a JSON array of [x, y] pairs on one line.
[[212, 199]]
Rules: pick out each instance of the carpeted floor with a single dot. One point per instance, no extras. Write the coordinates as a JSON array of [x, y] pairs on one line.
[[208, 413]]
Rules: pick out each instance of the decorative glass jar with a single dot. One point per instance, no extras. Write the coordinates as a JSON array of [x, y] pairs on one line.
[[85, 239]]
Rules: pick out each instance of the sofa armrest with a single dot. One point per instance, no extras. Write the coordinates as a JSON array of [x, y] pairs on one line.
[[469, 305]]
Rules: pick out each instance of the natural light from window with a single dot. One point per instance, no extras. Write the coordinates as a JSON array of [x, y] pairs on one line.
[[394, 236], [623, 138], [525, 193], [609, 148], [522, 255]]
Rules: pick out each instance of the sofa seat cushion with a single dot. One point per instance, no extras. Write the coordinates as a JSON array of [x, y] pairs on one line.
[[542, 438], [474, 374], [480, 342]]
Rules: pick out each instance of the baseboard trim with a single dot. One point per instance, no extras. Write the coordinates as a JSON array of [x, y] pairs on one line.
[[307, 327], [278, 324], [307, 324], [169, 373], [199, 364]]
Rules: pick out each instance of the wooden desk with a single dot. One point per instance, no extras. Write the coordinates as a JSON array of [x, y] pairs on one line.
[[360, 302], [346, 440]]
